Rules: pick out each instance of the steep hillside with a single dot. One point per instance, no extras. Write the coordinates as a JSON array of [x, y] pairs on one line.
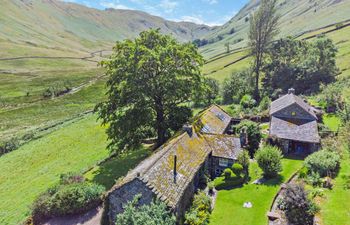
[[53, 27], [297, 16]]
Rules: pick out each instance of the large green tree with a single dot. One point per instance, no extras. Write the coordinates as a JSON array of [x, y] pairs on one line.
[[149, 80], [263, 29], [300, 64]]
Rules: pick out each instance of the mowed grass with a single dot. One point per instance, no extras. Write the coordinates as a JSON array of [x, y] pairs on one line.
[[37, 165], [229, 204], [335, 210]]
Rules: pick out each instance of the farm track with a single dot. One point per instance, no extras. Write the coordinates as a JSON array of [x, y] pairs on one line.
[[87, 58]]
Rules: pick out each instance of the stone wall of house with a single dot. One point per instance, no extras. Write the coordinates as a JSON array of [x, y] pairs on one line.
[[216, 169], [119, 197], [294, 111]]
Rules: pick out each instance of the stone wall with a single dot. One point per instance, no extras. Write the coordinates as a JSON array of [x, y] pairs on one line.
[[119, 197], [216, 169]]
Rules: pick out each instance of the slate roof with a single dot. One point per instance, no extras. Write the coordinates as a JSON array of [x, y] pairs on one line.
[[288, 100], [214, 120], [156, 172], [224, 146], [298, 130]]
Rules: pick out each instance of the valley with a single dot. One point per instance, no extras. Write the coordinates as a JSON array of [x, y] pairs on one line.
[[53, 134]]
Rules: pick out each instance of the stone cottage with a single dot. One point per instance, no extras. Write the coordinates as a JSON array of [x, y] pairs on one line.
[[293, 125], [172, 174]]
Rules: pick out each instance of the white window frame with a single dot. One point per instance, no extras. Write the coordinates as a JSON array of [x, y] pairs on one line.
[[223, 162]]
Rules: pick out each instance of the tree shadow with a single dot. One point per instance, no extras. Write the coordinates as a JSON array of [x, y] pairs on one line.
[[111, 170]]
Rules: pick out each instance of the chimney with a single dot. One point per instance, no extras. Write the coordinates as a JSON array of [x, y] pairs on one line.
[[175, 165], [291, 91], [188, 128], [243, 137]]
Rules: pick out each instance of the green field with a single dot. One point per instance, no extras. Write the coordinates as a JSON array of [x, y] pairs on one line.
[[229, 204], [37, 165]]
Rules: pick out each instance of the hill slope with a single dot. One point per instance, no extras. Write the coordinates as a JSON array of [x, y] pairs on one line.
[[297, 16], [39, 26]]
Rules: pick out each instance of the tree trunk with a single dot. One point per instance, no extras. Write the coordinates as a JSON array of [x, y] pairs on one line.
[[160, 123], [257, 78]]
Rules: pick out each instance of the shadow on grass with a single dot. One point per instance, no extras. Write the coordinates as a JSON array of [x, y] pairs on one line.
[[277, 181], [108, 172]]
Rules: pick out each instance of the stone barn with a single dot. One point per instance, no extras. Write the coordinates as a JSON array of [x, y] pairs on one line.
[[293, 125], [172, 174]]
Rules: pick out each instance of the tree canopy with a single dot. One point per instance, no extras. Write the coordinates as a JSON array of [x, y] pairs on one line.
[[149, 80], [300, 64]]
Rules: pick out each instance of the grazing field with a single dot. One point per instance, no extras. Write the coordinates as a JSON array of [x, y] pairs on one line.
[[335, 209], [37, 165], [229, 204], [29, 117]]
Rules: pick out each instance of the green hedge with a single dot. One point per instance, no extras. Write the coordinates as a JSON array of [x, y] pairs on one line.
[[222, 183], [71, 196]]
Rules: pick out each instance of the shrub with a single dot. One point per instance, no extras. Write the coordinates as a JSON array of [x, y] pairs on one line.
[[314, 179], [318, 192], [269, 160], [199, 212], [155, 213], [264, 103], [237, 169], [67, 198], [325, 163], [247, 101], [221, 183], [299, 210], [211, 187], [243, 159], [303, 173], [227, 173]]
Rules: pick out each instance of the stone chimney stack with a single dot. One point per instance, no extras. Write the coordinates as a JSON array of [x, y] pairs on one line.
[[291, 91], [188, 128], [175, 167], [243, 136]]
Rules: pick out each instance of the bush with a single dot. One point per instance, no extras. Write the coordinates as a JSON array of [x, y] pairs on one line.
[[237, 169], [222, 183], [200, 210], [269, 160], [227, 173], [264, 103], [299, 210], [243, 159], [314, 179], [154, 214], [324, 162], [247, 101], [67, 198], [211, 187], [303, 173]]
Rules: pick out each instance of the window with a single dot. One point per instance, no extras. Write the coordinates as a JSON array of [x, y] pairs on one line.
[[223, 162], [294, 113]]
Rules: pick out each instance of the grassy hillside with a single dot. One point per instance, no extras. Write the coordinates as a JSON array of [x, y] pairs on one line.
[[36, 166], [223, 66], [55, 27], [297, 16]]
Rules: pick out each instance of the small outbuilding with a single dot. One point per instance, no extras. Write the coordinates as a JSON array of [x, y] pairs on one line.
[[293, 125]]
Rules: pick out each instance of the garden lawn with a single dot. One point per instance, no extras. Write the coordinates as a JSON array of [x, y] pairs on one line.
[[229, 204], [36, 166], [335, 210]]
